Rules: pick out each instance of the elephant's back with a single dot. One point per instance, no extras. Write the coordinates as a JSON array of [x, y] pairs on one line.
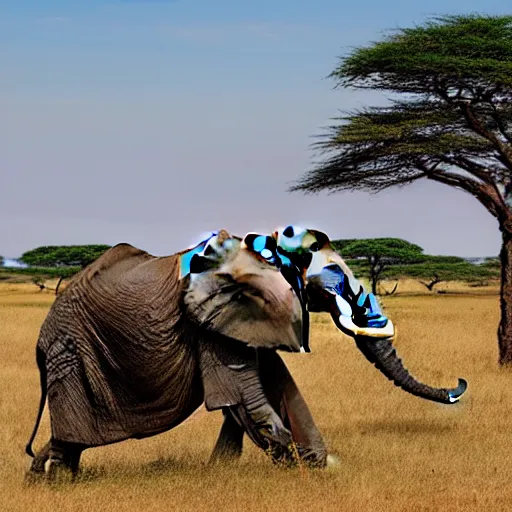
[[136, 361], [126, 289]]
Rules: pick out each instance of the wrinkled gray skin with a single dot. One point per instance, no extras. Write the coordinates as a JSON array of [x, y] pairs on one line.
[[122, 356], [130, 349]]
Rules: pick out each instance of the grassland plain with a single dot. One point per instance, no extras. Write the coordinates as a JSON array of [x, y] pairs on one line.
[[396, 451]]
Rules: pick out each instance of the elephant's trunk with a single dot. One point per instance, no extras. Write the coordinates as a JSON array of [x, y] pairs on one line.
[[383, 355]]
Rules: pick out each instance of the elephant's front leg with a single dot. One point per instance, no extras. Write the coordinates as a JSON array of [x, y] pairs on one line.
[[231, 378], [263, 426], [284, 396], [230, 441]]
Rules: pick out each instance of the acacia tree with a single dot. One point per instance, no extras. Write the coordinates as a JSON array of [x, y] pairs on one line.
[[1, 261], [449, 121], [434, 271], [63, 255], [379, 254], [66, 259]]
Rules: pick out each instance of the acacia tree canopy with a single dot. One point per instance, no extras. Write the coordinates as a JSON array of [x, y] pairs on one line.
[[379, 253], [394, 258], [63, 255], [450, 121], [392, 249]]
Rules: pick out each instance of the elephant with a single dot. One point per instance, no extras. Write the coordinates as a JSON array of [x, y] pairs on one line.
[[136, 343]]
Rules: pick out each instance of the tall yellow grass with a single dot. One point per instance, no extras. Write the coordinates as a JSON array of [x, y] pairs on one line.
[[396, 451]]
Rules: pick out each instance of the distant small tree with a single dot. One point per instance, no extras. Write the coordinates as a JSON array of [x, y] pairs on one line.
[[392, 291], [39, 275], [493, 263], [434, 279], [2, 260], [60, 261], [40, 282], [441, 268], [63, 255], [379, 254], [431, 273]]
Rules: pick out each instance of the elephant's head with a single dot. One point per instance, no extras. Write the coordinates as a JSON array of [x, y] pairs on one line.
[[326, 284], [260, 290], [233, 287]]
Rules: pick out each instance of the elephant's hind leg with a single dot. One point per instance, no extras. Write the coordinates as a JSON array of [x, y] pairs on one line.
[[40, 459], [64, 460], [230, 442], [37, 467], [57, 461]]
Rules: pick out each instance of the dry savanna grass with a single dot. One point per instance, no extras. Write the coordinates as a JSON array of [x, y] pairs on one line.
[[396, 451]]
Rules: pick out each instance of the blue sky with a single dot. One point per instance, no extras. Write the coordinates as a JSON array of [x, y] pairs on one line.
[[153, 121]]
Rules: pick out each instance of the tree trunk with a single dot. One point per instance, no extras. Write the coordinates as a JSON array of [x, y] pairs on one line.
[[374, 273], [392, 291], [375, 279], [58, 285], [505, 328], [431, 284]]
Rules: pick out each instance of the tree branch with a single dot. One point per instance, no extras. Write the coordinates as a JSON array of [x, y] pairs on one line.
[[495, 115], [478, 127], [484, 192], [476, 170], [479, 172], [466, 107]]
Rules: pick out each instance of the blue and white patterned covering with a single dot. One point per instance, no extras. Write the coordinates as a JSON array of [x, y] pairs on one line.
[[301, 254]]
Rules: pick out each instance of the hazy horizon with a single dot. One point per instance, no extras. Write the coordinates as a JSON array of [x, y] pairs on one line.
[[151, 122]]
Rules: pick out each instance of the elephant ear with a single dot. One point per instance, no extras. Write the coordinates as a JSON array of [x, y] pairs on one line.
[[241, 294]]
